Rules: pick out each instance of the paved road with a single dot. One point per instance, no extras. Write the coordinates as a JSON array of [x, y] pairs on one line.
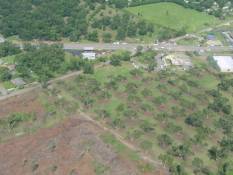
[[169, 46], [133, 47]]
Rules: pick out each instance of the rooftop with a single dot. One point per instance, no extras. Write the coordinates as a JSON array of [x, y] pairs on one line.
[[2, 40], [225, 63], [89, 55], [18, 82]]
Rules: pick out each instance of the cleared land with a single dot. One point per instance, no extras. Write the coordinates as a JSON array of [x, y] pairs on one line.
[[174, 16]]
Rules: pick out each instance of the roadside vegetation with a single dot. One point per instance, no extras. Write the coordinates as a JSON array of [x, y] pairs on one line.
[[39, 63]]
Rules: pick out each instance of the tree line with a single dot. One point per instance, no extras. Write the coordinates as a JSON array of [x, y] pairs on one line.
[[73, 19]]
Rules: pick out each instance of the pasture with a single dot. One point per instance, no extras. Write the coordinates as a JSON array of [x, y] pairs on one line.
[[174, 16]]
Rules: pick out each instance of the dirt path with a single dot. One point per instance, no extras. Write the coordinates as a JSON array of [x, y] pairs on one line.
[[126, 143]]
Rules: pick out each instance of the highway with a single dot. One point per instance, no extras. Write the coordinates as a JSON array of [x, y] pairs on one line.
[[164, 46], [132, 47]]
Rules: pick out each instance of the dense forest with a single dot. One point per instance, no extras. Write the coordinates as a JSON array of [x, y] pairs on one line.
[[75, 19]]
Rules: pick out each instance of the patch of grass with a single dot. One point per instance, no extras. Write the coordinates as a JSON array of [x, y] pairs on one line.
[[208, 81], [100, 169], [188, 41], [119, 147], [102, 74], [8, 85], [174, 16], [9, 59], [15, 119]]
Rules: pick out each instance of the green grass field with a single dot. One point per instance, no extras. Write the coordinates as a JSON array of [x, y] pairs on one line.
[[174, 16]]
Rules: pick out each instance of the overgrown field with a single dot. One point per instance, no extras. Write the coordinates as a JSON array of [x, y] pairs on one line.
[[174, 16], [182, 118]]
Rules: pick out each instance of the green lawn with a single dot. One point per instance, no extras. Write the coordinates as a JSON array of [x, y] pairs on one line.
[[9, 59], [188, 41], [8, 85], [174, 16], [102, 74]]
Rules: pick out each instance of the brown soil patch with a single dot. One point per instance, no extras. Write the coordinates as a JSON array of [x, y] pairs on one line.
[[69, 148], [27, 103]]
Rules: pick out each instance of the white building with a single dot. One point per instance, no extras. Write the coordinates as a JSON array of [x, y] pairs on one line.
[[89, 55], [2, 40], [225, 63]]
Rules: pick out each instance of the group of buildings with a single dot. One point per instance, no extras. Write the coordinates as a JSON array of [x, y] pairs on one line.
[[175, 61], [14, 83]]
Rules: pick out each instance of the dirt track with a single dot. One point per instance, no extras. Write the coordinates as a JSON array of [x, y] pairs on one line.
[[123, 141]]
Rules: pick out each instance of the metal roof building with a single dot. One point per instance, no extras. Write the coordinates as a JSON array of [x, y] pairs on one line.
[[225, 63]]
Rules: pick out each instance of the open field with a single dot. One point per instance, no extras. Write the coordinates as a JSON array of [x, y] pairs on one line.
[[174, 16]]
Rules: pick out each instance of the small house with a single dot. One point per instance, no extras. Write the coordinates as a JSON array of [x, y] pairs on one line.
[[3, 91], [89, 55], [18, 82], [11, 67], [210, 37]]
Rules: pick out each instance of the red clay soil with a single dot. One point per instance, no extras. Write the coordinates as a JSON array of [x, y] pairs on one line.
[[70, 148], [27, 103]]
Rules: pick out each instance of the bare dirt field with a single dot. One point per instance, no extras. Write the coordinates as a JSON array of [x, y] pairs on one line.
[[27, 103], [71, 148]]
